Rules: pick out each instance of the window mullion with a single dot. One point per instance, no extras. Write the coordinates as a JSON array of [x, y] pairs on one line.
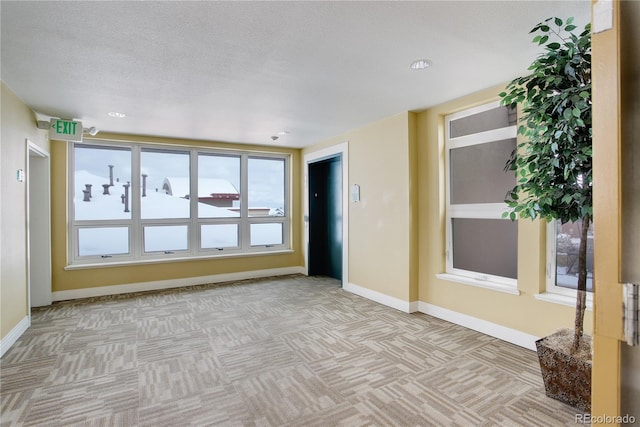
[[244, 202], [72, 231], [483, 137], [478, 210], [194, 239], [136, 227], [286, 239]]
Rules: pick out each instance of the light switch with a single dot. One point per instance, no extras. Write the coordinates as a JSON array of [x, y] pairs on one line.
[[355, 193]]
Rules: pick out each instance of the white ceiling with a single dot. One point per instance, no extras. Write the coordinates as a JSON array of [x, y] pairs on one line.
[[243, 71]]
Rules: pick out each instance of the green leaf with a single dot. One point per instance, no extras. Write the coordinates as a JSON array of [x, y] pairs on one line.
[[554, 122], [570, 28], [558, 22]]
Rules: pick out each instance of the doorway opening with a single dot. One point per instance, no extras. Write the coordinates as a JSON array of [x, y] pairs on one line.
[[326, 207], [38, 227], [325, 218]]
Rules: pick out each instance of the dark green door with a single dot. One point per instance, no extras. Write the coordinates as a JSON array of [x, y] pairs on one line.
[[325, 218]]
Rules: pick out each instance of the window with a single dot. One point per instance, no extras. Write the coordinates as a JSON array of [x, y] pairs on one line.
[[563, 242], [481, 246], [134, 202]]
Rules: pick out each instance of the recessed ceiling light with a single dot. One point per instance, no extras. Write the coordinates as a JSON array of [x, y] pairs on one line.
[[116, 114], [420, 64], [283, 132]]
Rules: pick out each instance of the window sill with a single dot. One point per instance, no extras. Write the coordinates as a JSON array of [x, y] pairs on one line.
[[567, 300], [499, 287], [165, 260]]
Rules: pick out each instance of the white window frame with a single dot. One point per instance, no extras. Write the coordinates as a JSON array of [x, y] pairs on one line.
[[136, 224], [553, 292], [476, 210]]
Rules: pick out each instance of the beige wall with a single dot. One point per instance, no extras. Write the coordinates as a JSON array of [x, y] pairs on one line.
[[382, 224], [95, 277], [18, 123], [523, 313]]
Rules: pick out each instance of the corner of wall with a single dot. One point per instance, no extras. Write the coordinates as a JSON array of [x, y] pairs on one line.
[[18, 126], [414, 214]]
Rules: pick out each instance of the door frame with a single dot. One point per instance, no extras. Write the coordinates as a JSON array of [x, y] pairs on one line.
[[342, 150], [608, 334], [40, 175]]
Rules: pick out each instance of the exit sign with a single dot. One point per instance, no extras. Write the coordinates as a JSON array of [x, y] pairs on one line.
[[65, 130]]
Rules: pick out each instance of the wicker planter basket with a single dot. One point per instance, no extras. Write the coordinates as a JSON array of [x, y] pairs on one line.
[[566, 377]]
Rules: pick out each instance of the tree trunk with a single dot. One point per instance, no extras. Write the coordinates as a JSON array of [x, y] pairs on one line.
[[581, 301]]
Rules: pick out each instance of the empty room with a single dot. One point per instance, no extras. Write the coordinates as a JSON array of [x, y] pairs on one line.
[[353, 213]]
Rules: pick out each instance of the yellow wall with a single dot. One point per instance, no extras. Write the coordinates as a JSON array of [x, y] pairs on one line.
[[105, 276], [18, 123], [383, 224]]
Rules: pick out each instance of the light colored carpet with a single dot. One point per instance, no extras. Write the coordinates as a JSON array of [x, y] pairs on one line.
[[288, 351]]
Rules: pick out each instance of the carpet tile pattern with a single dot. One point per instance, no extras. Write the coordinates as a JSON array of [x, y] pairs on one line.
[[286, 351]]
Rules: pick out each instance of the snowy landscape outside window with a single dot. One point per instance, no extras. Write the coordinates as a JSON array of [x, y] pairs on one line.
[[139, 201]]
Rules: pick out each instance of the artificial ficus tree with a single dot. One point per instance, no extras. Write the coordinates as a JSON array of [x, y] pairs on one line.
[[553, 161]]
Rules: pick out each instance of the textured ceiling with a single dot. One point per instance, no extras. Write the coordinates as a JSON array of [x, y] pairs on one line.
[[243, 71]]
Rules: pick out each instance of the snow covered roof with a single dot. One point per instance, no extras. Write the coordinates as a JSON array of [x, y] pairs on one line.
[[179, 186], [159, 205]]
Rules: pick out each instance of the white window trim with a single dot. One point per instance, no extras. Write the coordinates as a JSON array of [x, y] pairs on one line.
[[554, 293], [480, 210], [136, 224], [493, 285]]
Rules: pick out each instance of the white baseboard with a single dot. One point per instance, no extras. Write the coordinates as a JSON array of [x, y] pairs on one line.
[[379, 297], [172, 283], [8, 340], [488, 328]]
